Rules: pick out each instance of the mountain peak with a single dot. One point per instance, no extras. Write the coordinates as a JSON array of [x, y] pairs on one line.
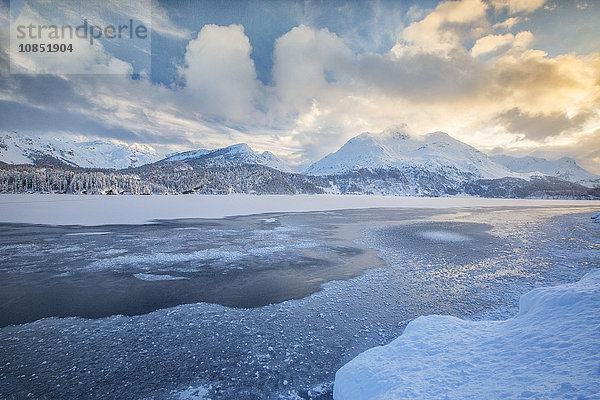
[[399, 131], [237, 153], [564, 168], [396, 149], [439, 135], [239, 148]]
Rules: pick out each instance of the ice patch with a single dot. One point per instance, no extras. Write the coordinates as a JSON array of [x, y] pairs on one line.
[[87, 233], [549, 350], [161, 258], [153, 277], [192, 393], [444, 236]]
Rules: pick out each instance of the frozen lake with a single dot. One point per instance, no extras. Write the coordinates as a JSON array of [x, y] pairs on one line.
[[237, 262], [259, 306]]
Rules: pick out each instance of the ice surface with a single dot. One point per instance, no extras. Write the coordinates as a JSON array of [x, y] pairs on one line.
[[154, 277], [192, 393], [100, 210], [288, 349], [551, 349], [444, 236], [87, 233]]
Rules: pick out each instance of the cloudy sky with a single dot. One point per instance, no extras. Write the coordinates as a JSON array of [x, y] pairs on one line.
[[300, 78]]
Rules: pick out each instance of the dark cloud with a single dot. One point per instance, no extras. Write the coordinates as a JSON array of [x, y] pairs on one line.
[[541, 126], [23, 117], [423, 76], [48, 90]]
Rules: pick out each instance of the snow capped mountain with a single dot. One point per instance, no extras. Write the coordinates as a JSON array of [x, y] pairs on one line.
[[565, 168], [187, 155], [18, 149], [394, 149], [390, 163], [239, 153]]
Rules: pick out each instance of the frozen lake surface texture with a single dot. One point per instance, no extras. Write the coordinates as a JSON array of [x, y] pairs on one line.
[[264, 306]]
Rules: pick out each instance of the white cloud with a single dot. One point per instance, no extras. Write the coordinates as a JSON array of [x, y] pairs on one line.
[[441, 30], [309, 64], [491, 43], [518, 6], [523, 40], [220, 73], [508, 23], [512, 44]]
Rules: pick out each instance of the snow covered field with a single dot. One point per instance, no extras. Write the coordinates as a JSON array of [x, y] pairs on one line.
[[550, 350], [99, 210]]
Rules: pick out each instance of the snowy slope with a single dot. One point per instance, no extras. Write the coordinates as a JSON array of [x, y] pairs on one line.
[[395, 149], [549, 350], [240, 153], [565, 168], [19, 149], [187, 155]]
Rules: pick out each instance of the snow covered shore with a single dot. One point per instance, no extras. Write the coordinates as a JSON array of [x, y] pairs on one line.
[[99, 210], [551, 349]]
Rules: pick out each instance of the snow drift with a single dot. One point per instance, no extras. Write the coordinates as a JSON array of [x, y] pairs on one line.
[[551, 349]]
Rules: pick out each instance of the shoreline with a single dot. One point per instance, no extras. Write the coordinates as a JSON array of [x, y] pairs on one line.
[[93, 210]]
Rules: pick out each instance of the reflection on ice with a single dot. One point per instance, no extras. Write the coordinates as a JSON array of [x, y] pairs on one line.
[[443, 236]]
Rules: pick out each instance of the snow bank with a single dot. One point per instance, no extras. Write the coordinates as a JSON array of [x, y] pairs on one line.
[[551, 349], [57, 209]]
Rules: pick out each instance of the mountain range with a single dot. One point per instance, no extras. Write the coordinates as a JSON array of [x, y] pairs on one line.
[[241, 153], [389, 163], [17, 148], [564, 168]]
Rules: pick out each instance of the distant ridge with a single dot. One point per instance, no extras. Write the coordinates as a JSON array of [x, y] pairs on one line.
[[16, 148], [564, 168], [392, 162], [241, 153]]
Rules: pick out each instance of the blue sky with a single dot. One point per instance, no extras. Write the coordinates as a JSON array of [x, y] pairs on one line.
[[300, 78]]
